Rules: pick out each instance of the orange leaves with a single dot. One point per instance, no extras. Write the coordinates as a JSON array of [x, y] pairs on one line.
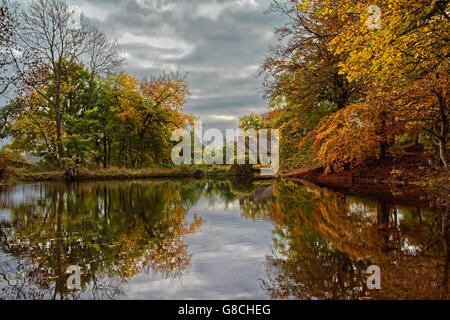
[[351, 88], [128, 99], [359, 131], [168, 91], [157, 101], [402, 68], [347, 136]]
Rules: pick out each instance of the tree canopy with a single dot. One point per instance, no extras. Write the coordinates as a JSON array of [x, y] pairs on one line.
[[73, 104], [343, 92]]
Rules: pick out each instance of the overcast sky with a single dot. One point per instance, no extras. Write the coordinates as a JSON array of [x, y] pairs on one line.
[[219, 43]]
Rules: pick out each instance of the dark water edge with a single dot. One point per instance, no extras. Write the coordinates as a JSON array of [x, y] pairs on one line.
[[199, 239]]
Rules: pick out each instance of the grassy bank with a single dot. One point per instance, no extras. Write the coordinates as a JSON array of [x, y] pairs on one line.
[[84, 174]]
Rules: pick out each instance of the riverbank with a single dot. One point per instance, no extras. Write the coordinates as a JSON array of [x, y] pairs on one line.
[[84, 174], [214, 172], [398, 177], [372, 176]]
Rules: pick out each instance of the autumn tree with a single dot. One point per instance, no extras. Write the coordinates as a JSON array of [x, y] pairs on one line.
[[32, 130], [346, 90], [302, 77], [153, 103], [31, 118], [410, 50], [49, 42], [348, 136], [302, 68]]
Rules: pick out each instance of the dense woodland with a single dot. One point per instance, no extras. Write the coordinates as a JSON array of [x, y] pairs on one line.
[[343, 92]]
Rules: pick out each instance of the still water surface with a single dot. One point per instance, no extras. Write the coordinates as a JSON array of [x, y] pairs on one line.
[[216, 240]]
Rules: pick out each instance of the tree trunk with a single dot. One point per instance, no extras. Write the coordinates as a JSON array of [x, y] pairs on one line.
[[58, 123], [109, 152], [383, 143], [90, 92], [383, 150], [444, 126], [121, 153], [105, 163], [142, 149], [443, 152], [98, 148]]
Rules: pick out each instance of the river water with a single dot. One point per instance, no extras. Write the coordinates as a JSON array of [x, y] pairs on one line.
[[190, 239]]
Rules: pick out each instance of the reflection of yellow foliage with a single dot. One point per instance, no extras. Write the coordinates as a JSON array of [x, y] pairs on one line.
[[328, 235]]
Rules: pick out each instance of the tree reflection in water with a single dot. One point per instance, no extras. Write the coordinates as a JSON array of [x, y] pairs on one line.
[[324, 241], [113, 231]]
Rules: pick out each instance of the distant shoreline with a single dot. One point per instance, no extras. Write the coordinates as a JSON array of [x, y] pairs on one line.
[[83, 174]]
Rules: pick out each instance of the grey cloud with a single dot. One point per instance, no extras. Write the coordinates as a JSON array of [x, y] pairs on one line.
[[218, 43]]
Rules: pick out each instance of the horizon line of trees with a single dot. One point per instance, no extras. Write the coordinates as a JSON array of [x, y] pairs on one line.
[[68, 100]]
